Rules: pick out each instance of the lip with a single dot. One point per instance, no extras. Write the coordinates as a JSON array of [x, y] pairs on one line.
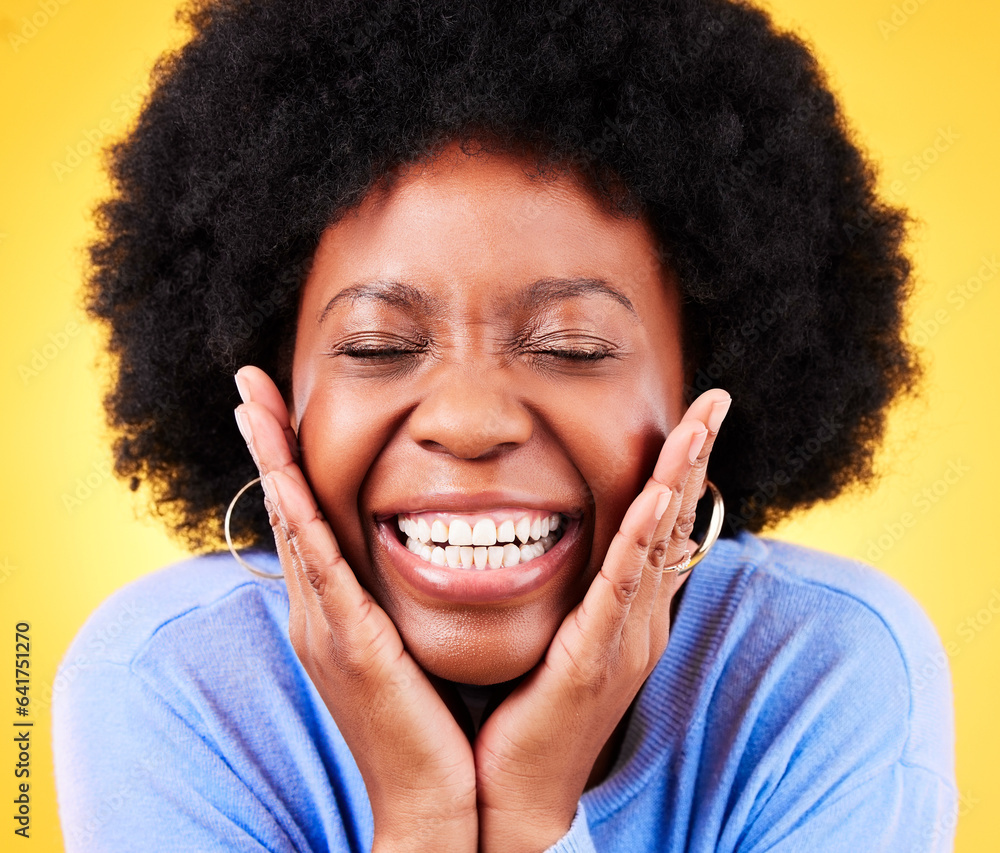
[[471, 586], [482, 502]]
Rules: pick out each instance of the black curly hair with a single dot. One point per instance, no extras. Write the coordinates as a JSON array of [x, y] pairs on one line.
[[279, 115]]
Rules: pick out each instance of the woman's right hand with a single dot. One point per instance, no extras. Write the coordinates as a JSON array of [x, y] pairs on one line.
[[416, 762]]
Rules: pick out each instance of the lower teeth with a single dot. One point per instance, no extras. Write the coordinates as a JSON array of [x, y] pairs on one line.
[[481, 557]]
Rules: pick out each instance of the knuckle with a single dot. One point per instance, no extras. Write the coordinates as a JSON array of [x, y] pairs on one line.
[[293, 533], [586, 675], [274, 519], [640, 547], [657, 555], [315, 575], [299, 543], [626, 590], [359, 655], [361, 667], [596, 683], [684, 526], [634, 660]]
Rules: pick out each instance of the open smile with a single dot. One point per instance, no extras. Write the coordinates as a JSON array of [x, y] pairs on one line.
[[480, 541], [478, 558]]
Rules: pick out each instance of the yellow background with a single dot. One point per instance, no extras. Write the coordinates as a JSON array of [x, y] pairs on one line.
[[911, 74]]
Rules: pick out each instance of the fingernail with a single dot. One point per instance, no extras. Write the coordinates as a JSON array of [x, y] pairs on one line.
[[243, 422], [697, 443], [243, 387], [718, 414], [662, 502]]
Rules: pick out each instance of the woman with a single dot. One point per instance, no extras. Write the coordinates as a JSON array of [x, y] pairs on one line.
[[488, 263]]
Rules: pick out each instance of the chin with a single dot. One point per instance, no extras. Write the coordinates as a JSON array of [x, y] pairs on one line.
[[492, 672], [480, 648]]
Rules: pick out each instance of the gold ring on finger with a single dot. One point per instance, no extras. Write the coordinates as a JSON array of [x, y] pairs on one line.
[[711, 535]]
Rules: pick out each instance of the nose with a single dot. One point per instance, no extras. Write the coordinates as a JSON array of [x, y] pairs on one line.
[[470, 413]]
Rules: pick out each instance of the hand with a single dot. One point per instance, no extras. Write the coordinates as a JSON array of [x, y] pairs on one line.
[[416, 761], [535, 753]]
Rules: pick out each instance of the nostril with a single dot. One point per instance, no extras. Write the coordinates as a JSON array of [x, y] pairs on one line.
[[470, 421]]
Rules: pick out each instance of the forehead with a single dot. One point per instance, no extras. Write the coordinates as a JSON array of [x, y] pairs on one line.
[[504, 179], [460, 220]]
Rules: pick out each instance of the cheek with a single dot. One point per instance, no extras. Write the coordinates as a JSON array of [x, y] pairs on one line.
[[615, 442], [618, 473], [339, 436]]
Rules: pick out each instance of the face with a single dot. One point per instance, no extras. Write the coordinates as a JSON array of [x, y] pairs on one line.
[[480, 354]]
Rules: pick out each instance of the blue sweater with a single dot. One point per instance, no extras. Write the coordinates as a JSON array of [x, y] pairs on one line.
[[803, 704]]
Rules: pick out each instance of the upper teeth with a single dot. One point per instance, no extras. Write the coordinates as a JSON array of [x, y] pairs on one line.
[[480, 542], [484, 531]]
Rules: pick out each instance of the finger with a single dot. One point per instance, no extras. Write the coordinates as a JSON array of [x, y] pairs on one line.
[[676, 546], [312, 544], [694, 486], [266, 442], [639, 635], [666, 548], [605, 607], [629, 580], [260, 427], [679, 455], [263, 421], [259, 434], [709, 409], [682, 464], [304, 609], [703, 405], [256, 386], [270, 452], [686, 477], [298, 602], [364, 639]]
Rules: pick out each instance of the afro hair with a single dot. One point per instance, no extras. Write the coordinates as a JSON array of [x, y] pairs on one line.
[[277, 116]]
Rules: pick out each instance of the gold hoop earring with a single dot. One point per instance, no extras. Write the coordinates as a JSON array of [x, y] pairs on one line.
[[229, 538], [711, 535]]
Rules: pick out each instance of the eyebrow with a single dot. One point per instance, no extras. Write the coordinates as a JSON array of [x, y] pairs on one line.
[[396, 293], [547, 290], [401, 294]]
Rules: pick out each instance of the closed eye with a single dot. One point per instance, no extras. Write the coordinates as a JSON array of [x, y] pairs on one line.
[[569, 345], [574, 354], [376, 348], [375, 352]]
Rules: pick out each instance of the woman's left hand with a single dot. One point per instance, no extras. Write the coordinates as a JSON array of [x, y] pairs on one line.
[[535, 753]]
